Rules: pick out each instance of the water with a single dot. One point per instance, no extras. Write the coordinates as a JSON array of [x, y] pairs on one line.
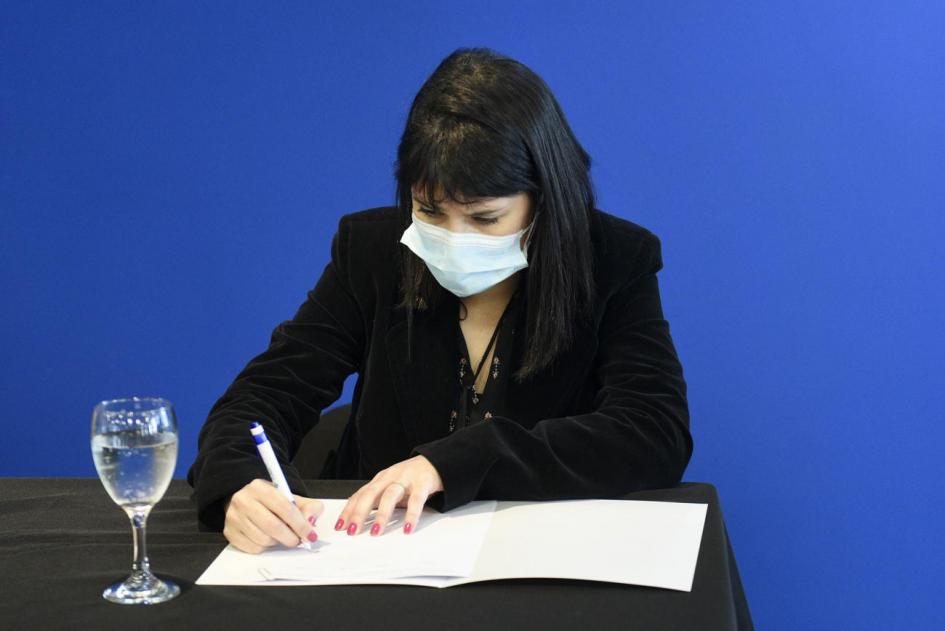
[[135, 468]]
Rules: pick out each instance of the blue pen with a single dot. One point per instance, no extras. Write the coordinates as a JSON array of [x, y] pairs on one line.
[[272, 466]]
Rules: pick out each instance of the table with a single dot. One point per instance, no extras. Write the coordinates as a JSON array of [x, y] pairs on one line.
[[62, 541]]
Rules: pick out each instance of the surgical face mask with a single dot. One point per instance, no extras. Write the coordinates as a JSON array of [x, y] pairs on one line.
[[465, 263]]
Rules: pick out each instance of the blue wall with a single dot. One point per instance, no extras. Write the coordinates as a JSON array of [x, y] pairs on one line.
[[172, 176]]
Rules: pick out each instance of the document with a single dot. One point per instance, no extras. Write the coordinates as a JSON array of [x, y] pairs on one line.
[[620, 541]]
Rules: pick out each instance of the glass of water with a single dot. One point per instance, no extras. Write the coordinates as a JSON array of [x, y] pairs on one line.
[[134, 444]]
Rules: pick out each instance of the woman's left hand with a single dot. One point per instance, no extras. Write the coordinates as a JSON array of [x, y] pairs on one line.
[[408, 483]]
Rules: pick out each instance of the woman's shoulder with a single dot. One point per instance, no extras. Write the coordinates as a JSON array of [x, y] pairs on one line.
[[380, 220], [365, 248], [618, 227], [370, 234], [623, 250]]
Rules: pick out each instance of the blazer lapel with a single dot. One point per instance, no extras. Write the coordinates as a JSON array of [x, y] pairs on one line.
[[425, 386]]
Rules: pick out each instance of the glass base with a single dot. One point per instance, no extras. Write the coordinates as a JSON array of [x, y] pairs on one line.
[[141, 588]]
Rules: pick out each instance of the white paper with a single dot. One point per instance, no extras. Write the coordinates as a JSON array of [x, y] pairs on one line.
[[621, 541]]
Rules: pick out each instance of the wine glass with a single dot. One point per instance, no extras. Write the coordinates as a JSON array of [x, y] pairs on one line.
[[134, 444]]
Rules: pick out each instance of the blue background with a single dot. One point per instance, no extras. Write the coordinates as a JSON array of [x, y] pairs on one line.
[[172, 174]]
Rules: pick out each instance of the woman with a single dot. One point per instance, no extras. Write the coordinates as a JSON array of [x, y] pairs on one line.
[[508, 337]]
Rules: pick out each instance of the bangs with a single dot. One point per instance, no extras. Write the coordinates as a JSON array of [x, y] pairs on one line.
[[461, 160]]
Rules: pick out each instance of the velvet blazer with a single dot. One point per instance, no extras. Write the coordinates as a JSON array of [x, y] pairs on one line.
[[608, 417]]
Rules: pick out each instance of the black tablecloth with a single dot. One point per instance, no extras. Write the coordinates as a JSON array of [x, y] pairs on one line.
[[62, 541]]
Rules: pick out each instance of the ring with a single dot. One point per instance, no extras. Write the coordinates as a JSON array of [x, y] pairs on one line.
[[403, 486]]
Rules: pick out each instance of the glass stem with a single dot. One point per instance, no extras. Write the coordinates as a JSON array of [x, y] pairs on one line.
[[139, 520]]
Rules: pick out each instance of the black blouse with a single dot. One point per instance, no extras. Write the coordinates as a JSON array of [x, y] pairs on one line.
[[473, 407]]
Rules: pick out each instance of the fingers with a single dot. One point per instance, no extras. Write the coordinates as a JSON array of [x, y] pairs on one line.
[[360, 505], [236, 536], [275, 515], [255, 536], [258, 517], [389, 500], [311, 508], [418, 477], [357, 508], [246, 529], [414, 508]]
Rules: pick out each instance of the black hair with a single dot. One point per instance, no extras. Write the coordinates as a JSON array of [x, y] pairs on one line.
[[485, 125]]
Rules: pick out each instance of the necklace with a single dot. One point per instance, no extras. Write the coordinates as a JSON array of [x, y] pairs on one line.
[[468, 387]]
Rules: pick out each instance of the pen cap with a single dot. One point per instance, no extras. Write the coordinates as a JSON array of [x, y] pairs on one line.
[[259, 434]]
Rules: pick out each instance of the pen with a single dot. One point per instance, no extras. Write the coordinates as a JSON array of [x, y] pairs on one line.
[[272, 465]]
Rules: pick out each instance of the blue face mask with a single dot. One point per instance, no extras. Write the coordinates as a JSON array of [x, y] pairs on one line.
[[465, 263]]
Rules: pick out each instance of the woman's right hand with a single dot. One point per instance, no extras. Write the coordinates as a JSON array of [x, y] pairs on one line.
[[258, 516]]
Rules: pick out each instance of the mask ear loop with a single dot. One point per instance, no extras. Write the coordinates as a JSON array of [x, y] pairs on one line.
[[527, 233], [529, 230]]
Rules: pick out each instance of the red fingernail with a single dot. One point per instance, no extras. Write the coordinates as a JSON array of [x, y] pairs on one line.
[[376, 528], [312, 536], [408, 528], [339, 524], [352, 529], [311, 519]]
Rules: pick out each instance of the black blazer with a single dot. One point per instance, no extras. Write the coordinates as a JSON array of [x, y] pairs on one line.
[[608, 417]]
